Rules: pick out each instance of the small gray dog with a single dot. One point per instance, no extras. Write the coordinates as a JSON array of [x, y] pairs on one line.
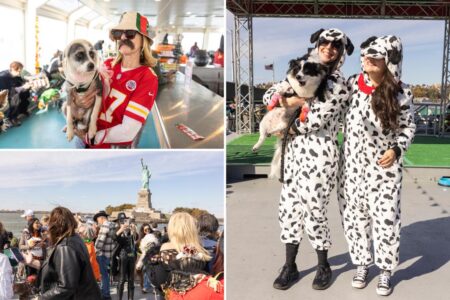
[[81, 71]]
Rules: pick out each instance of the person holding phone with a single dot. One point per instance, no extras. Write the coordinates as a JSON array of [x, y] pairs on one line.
[[126, 236]]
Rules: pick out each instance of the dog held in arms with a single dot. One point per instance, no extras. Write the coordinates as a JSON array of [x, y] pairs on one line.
[[306, 78], [84, 79]]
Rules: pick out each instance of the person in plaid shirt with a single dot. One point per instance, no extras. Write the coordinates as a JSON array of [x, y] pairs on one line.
[[104, 246]]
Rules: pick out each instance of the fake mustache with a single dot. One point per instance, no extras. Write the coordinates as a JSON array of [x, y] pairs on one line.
[[126, 42]]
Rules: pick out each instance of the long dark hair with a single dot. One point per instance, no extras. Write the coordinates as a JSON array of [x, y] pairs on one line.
[[61, 224], [31, 229], [384, 102]]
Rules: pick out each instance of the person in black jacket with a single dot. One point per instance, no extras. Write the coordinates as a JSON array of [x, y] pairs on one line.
[[19, 91], [126, 236], [67, 272]]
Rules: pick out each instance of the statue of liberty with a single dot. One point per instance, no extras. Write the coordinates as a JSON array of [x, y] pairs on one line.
[[146, 175]]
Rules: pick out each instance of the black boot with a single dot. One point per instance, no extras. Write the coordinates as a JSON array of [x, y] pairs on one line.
[[323, 277], [288, 276], [289, 273], [120, 291]]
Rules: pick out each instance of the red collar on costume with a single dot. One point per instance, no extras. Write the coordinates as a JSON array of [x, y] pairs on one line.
[[366, 89]]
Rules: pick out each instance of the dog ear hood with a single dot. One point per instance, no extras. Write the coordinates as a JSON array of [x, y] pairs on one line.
[[315, 35], [387, 47], [331, 35]]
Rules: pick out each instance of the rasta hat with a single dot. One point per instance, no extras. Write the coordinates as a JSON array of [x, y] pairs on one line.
[[387, 47], [134, 21], [333, 35]]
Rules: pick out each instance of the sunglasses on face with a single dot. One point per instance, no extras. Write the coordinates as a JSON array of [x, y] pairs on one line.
[[334, 44], [117, 34]]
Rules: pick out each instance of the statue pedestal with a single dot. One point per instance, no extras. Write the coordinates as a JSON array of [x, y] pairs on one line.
[[144, 201]]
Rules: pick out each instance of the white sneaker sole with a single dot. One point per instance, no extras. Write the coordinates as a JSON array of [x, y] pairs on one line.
[[359, 284], [384, 292]]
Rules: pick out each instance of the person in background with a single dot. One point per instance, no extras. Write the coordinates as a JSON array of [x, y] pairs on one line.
[[19, 92], [125, 238], [104, 246], [55, 64], [194, 50], [28, 215], [4, 238], [148, 245], [44, 220], [35, 242], [67, 272], [208, 226], [87, 234]]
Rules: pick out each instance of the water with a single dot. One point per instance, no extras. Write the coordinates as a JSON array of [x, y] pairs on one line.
[[14, 223]]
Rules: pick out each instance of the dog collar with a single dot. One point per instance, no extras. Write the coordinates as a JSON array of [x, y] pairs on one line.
[[366, 89], [81, 89]]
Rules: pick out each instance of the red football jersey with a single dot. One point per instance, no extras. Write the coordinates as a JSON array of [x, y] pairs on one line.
[[132, 94]]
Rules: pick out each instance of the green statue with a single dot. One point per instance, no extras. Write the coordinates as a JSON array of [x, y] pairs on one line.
[[146, 175]]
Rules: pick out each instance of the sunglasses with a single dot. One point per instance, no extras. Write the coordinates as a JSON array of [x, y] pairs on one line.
[[117, 34], [334, 44]]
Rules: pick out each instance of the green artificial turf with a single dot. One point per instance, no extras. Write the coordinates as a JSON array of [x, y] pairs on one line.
[[425, 151]]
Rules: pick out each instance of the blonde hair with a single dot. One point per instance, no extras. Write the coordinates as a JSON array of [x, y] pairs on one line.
[[183, 231], [146, 58]]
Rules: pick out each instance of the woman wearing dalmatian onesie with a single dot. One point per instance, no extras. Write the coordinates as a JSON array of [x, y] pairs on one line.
[[311, 162], [379, 128]]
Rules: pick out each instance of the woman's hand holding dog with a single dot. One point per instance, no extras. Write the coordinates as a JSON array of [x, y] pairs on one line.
[[293, 101]]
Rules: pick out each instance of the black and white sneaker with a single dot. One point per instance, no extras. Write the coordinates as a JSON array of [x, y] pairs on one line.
[[384, 287], [360, 279]]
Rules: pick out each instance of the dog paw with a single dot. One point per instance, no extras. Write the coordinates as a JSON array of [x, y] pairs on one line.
[[255, 149], [91, 133], [69, 135]]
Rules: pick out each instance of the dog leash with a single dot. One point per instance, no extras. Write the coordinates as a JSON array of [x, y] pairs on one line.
[[284, 141]]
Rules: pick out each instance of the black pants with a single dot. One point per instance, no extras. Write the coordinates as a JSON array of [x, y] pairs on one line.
[[18, 104], [126, 274]]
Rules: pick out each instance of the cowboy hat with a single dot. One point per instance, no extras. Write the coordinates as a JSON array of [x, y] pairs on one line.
[[101, 213]]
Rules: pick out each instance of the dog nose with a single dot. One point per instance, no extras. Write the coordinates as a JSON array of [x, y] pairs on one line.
[[90, 66], [298, 77]]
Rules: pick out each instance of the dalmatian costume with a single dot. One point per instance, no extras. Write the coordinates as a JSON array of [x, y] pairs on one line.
[[311, 158], [369, 195]]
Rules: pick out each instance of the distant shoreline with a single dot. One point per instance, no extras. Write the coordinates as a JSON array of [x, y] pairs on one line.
[[43, 212]]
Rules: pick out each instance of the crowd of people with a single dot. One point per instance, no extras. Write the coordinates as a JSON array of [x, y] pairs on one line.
[[66, 256], [18, 89]]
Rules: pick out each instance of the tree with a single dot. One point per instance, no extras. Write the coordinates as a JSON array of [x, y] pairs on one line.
[[195, 212]]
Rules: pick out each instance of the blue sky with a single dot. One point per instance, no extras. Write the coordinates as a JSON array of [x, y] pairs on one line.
[[281, 39], [89, 181]]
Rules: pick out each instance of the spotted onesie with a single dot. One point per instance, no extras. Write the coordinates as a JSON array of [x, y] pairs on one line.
[[369, 195]]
